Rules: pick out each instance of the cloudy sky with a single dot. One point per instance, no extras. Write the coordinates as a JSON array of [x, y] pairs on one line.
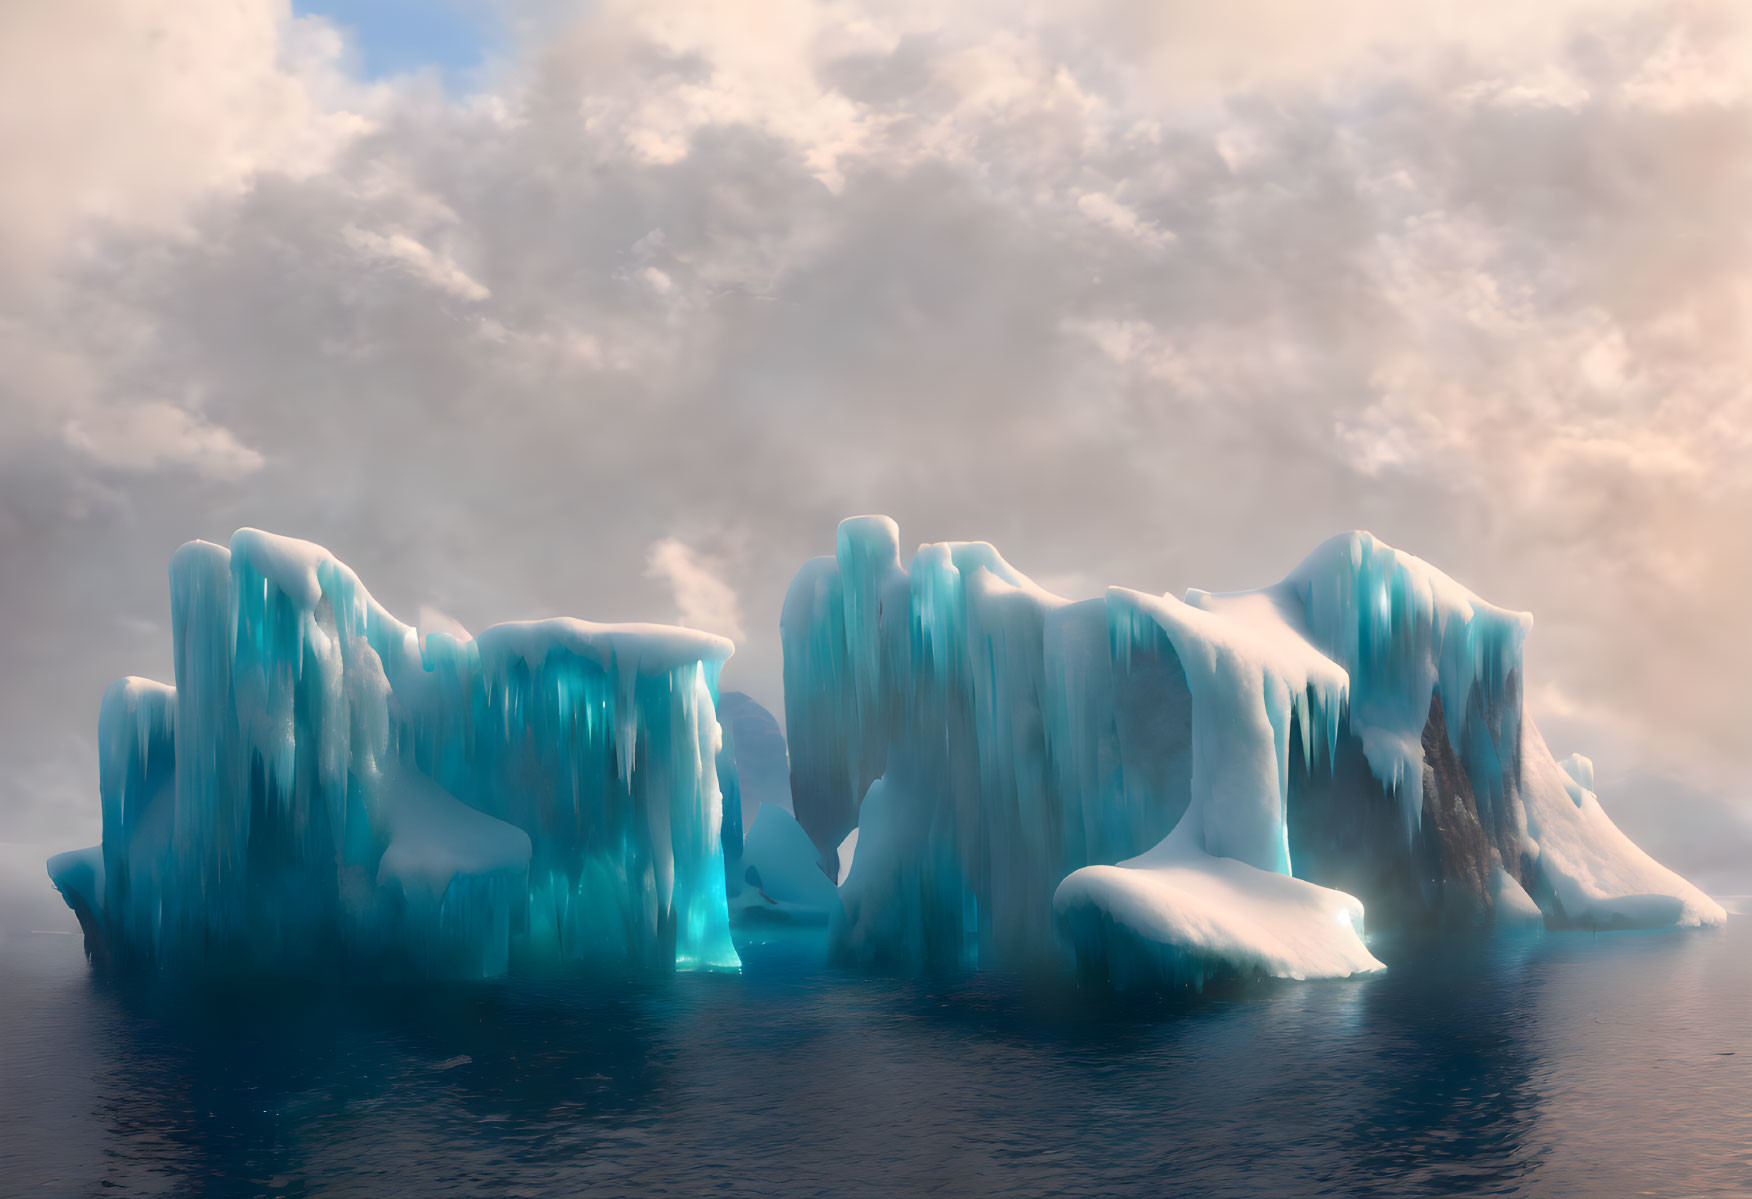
[[613, 310]]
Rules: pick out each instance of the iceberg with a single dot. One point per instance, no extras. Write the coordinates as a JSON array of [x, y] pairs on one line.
[[757, 744], [774, 873], [783, 879], [1175, 789], [323, 788]]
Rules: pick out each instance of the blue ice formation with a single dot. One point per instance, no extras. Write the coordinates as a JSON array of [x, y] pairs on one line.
[[763, 764], [782, 878], [322, 787], [1172, 789], [774, 874]]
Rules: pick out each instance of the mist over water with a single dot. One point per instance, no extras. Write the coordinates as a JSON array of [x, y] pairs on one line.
[[1561, 1064]]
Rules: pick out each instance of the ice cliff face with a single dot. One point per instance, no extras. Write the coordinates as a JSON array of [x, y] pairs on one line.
[[1182, 787], [321, 786]]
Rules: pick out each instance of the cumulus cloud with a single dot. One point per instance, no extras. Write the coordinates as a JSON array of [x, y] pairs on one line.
[[1159, 296], [125, 114], [153, 433], [703, 600], [419, 261]]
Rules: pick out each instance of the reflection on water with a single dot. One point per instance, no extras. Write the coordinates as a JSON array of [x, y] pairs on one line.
[[1552, 1065]]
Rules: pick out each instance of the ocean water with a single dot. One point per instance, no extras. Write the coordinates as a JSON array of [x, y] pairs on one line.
[[1544, 1065]]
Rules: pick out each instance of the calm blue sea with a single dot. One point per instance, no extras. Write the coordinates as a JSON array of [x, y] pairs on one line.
[[1549, 1065]]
